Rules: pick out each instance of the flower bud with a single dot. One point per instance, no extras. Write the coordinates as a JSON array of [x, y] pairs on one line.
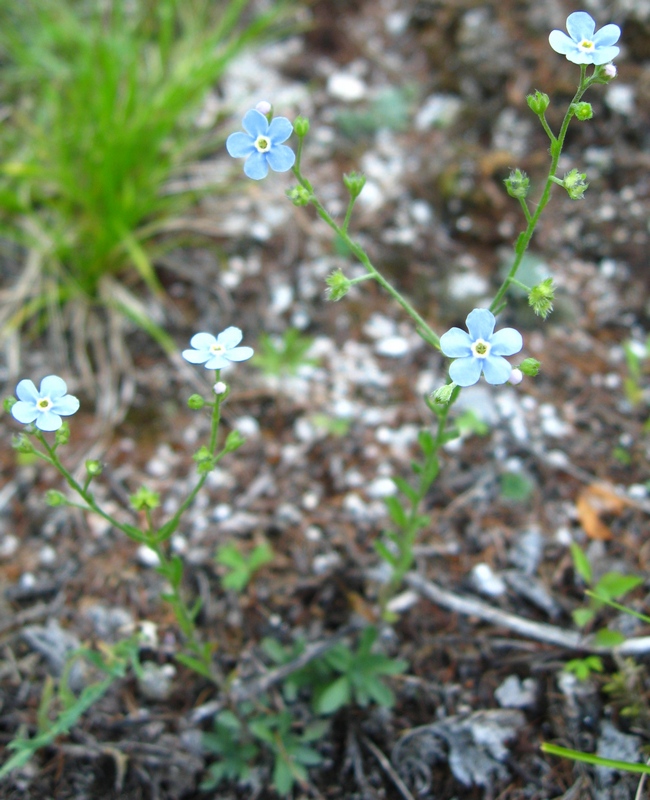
[[195, 402], [575, 184], [234, 441], [337, 285], [583, 111], [299, 196], [604, 73], [21, 444], [541, 297], [538, 102], [54, 498], [220, 388], [94, 468], [9, 403], [301, 127], [517, 184], [516, 377], [354, 183], [442, 396], [530, 367], [62, 436], [144, 499], [264, 107]]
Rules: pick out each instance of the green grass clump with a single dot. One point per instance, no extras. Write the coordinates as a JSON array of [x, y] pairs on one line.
[[101, 101]]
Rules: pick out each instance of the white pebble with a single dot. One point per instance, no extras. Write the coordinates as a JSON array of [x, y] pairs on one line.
[[486, 581], [346, 87], [147, 557]]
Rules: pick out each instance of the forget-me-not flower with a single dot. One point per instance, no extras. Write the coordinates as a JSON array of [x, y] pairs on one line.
[[582, 45], [261, 145], [480, 350], [215, 352], [46, 406]]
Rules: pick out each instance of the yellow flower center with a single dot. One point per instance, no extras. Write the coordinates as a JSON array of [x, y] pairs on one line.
[[263, 144], [217, 349], [481, 348], [44, 404], [586, 45]]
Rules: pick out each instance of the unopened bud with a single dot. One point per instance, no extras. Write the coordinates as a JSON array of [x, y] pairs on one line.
[[517, 183], [54, 498], [62, 436], [144, 499], [9, 403], [516, 377], [583, 111], [538, 102], [575, 184], [299, 196], [264, 107], [301, 127], [220, 388], [530, 367], [354, 183], [94, 468], [442, 396], [541, 297], [337, 285], [195, 402]]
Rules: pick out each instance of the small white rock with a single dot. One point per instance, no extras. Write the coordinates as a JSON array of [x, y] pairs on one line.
[[147, 557], [346, 87], [486, 581]]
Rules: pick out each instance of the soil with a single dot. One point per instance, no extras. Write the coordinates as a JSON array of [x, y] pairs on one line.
[[428, 99]]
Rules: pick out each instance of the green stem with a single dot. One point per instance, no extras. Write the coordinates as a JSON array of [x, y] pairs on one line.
[[556, 150], [422, 327]]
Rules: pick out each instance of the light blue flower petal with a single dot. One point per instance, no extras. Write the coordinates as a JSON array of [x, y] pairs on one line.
[[480, 324], [506, 342], [496, 370], [48, 421], [281, 129], [256, 167], [466, 371], [561, 43], [577, 56], [216, 362], [456, 343], [255, 123], [240, 145], [27, 392], [607, 36], [231, 337], [604, 55], [580, 26], [52, 386], [239, 353], [196, 356], [281, 158], [65, 405], [202, 341], [24, 411]]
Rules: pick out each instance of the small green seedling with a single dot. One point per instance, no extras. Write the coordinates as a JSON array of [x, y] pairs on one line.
[[241, 567], [283, 355]]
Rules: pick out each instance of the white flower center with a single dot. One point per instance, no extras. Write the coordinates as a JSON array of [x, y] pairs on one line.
[[586, 45], [481, 348], [263, 144], [44, 404], [217, 349]]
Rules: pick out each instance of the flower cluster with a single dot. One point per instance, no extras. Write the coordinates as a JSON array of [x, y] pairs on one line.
[[481, 350], [45, 406], [583, 45]]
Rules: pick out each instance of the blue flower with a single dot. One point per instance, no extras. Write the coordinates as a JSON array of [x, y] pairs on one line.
[[46, 406], [582, 45], [216, 352], [481, 350], [261, 145]]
